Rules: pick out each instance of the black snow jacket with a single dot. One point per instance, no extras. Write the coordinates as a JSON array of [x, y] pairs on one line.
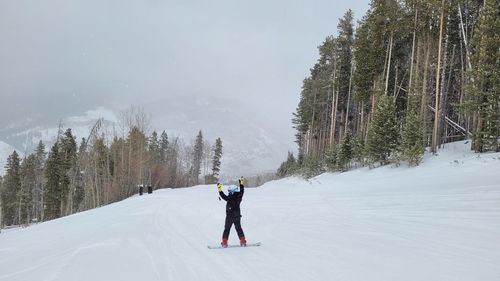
[[233, 202]]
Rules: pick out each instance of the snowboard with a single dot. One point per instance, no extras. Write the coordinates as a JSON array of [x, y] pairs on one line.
[[234, 246]]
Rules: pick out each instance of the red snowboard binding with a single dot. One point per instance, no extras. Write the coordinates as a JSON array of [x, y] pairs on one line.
[[243, 242], [224, 243]]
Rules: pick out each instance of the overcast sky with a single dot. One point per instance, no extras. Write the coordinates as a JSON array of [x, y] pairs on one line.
[[63, 57]]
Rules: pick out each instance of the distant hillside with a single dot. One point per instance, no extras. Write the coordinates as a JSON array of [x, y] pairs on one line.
[[251, 145]]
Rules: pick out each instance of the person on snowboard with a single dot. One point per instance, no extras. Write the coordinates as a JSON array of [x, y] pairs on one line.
[[233, 213]]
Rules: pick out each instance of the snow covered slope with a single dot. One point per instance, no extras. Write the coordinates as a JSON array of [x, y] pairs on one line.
[[439, 221]]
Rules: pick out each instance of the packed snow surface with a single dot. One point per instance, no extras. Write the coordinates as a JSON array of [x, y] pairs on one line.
[[439, 221]]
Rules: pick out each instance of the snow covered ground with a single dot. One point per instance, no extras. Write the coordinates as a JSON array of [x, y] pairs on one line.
[[439, 221]]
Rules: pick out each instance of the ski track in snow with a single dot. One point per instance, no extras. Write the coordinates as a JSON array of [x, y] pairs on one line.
[[439, 221]]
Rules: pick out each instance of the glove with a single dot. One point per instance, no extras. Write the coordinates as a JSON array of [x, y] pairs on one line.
[[219, 187]]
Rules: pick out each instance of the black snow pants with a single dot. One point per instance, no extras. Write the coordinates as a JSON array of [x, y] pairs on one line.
[[230, 220]]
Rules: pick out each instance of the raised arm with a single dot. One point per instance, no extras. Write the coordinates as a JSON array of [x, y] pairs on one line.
[[242, 186], [221, 194]]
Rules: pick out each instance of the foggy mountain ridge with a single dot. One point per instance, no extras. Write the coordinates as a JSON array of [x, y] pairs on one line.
[[252, 143]]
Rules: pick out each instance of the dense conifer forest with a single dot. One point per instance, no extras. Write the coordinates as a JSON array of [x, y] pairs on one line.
[[409, 75]]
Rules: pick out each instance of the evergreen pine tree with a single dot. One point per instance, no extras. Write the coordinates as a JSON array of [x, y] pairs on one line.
[[345, 154], [27, 190], [364, 75], [291, 164], [154, 148], [383, 133], [345, 42], [412, 142], [311, 167], [282, 171], [331, 159], [79, 193], [359, 150], [67, 169], [289, 167], [136, 155], [154, 162], [164, 147], [10, 190], [172, 156], [101, 160], [52, 192], [40, 157], [216, 160], [197, 157], [1, 208], [485, 79]]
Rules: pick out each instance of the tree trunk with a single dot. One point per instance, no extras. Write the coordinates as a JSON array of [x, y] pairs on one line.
[[412, 95], [342, 120], [423, 105], [311, 136], [410, 81], [307, 140], [435, 133], [332, 119], [463, 118], [96, 185], [362, 111], [464, 37], [444, 86], [370, 115], [394, 94], [130, 184], [333, 116], [388, 65], [348, 99], [1, 215], [334, 123]]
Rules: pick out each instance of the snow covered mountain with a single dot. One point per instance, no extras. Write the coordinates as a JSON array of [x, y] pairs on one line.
[[439, 221], [252, 143], [26, 135]]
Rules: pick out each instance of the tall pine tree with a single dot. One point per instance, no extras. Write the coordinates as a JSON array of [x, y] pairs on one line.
[[154, 148], [383, 132], [289, 167], [164, 146], [52, 191], [345, 154], [216, 160], [28, 188], [10, 190], [67, 170], [485, 79], [197, 157], [40, 158], [412, 143]]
